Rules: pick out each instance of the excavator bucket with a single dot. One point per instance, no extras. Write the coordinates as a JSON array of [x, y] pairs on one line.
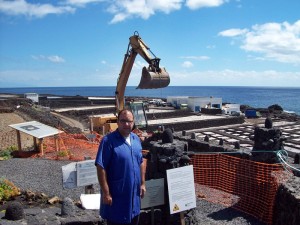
[[152, 80]]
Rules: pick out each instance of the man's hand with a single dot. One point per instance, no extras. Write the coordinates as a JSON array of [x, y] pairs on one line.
[[107, 199], [143, 190]]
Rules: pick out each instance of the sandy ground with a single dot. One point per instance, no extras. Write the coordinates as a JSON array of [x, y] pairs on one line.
[[69, 121], [8, 135]]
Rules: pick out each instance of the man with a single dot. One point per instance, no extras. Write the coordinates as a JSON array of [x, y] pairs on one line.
[[120, 173]]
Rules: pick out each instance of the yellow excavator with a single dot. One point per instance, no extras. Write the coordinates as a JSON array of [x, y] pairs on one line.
[[152, 77]]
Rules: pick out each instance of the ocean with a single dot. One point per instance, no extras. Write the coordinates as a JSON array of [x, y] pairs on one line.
[[287, 98]]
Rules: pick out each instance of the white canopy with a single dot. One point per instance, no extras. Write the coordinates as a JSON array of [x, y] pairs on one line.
[[36, 129]]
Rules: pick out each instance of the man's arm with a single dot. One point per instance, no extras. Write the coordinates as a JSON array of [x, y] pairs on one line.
[[143, 183], [107, 199]]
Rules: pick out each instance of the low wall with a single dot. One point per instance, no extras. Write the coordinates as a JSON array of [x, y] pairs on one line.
[[193, 125]]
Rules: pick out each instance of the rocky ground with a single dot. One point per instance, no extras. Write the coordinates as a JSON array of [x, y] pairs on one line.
[[35, 175], [39, 186]]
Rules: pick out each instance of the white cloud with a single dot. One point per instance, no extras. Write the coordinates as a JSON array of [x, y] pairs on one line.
[[124, 9], [51, 58], [196, 4], [21, 7], [210, 46], [55, 59], [81, 3], [229, 77], [201, 58], [119, 17], [275, 41], [139, 65], [187, 64], [233, 32], [121, 9]]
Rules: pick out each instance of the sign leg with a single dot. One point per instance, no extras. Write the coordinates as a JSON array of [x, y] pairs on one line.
[[182, 222]]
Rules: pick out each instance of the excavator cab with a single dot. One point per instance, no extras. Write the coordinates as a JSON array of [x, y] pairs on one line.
[[140, 118]]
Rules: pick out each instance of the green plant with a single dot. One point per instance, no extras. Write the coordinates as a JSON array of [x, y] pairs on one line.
[[6, 153], [12, 148], [62, 153], [7, 190]]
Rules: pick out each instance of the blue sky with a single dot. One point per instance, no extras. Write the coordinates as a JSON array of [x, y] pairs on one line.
[[47, 43]]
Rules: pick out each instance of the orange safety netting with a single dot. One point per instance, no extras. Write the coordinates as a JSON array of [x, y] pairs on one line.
[[242, 184], [71, 146]]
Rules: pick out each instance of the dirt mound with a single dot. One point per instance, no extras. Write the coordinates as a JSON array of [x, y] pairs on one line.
[[8, 136]]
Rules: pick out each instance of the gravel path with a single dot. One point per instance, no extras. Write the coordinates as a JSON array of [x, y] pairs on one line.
[[46, 176], [39, 175]]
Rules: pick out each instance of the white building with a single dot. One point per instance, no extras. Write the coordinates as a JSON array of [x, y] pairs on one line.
[[195, 103], [33, 96], [177, 101], [229, 109]]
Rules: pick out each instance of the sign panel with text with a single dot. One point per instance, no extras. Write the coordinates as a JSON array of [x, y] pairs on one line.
[[78, 174], [155, 194], [181, 188], [86, 173]]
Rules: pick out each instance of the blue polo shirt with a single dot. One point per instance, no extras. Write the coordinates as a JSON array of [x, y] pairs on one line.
[[121, 162]]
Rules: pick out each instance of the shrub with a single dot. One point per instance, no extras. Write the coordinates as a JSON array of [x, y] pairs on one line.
[[62, 153], [7, 190], [6, 154]]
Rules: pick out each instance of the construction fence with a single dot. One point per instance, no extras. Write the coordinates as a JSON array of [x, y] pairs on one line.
[[245, 185], [71, 146]]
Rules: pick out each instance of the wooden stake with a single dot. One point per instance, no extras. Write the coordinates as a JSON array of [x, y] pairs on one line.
[[56, 143], [41, 147], [35, 144], [19, 140], [182, 222]]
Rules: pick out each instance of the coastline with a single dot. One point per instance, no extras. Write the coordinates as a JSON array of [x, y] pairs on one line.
[[257, 97]]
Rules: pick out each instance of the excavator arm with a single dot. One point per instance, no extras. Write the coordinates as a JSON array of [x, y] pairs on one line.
[[152, 77]]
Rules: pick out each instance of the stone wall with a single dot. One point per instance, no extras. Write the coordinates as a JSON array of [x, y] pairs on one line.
[[201, 124], [77, 101], [287, 203]]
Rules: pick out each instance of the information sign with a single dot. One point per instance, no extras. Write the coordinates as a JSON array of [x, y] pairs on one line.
[[69, 175], [181, 188], [86, 173], [155, 193]]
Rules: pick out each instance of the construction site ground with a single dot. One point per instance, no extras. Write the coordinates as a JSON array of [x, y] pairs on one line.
[[159, 116], [241, 132], [229, 133]]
